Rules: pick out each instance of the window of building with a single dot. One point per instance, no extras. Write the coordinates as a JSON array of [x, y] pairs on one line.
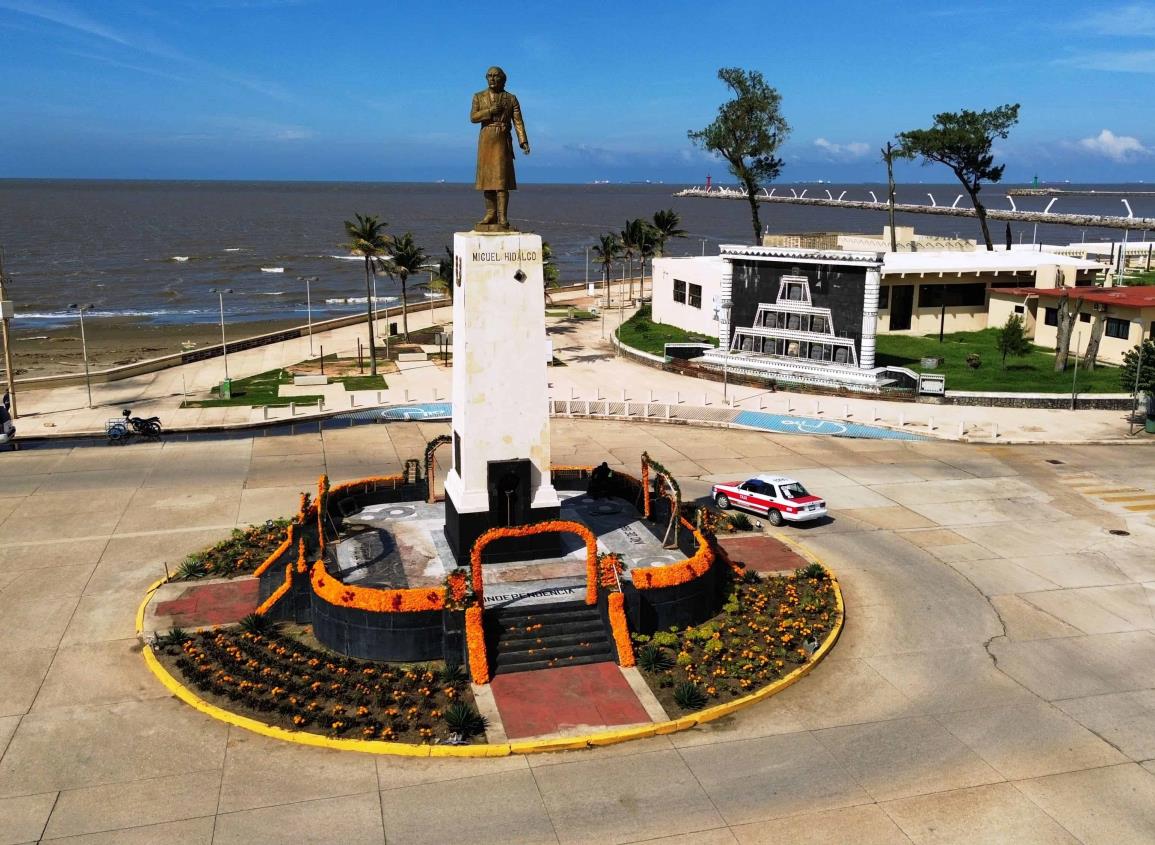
[[695, 296], [679, 291], [1019, 309], [933, 296], [884, 297], [1051, 316], [1118, 328], [1084, 318]]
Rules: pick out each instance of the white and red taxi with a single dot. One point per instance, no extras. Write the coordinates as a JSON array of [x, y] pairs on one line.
[[775, 497]]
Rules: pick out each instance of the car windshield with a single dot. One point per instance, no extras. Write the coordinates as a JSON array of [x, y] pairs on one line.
[[793, 490]]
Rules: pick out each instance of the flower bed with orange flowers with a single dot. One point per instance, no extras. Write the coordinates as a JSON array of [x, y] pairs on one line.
[[278, 678], [557, 526], [766, 630], [243, 553]]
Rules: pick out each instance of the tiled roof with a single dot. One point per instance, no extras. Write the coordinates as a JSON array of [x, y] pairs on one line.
[[1128, 297]]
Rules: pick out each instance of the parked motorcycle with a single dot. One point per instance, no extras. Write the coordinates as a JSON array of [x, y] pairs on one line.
[[121, 431]]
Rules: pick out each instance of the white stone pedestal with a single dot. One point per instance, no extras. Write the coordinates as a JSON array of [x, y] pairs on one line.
[[500, 388]]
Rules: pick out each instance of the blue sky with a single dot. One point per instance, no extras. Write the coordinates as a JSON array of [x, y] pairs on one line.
[[379, 90]]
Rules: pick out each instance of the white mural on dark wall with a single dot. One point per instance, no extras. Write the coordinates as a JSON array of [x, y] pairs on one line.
[[793, 327]]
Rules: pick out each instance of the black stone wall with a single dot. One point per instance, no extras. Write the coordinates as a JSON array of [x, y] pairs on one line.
[[371, 635], [840, 288]]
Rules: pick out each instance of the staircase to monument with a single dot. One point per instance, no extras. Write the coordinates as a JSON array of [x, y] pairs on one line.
[[547, 636]]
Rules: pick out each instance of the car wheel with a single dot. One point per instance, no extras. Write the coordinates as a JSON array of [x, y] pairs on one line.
[[774, 517], [722, 501]]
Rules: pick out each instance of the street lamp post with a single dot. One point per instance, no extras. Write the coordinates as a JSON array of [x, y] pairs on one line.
[[220, 292], [703, 240], [308, 280], [5, 316], [84, 349], [726, 305]]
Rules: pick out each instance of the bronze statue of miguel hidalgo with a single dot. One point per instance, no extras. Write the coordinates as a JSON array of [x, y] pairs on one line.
[[499, 114]]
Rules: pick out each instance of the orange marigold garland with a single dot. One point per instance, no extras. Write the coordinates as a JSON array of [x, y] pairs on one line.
[[269, 603], [645, 486], [378, 601], [654, 577], [621, 629], [277, 552], [475, 643]]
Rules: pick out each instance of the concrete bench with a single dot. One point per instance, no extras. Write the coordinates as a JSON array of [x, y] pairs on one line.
[[412, 356], [310, 380]]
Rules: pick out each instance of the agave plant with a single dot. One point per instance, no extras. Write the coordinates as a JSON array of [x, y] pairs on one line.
[[689, 696], [652, 658], [463, 719], [257, 623], [190, 568]]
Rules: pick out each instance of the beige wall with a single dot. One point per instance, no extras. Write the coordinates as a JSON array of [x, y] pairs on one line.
[[1111, 349], [706, 272]]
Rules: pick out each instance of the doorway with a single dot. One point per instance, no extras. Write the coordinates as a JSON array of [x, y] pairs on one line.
[[901, 307]]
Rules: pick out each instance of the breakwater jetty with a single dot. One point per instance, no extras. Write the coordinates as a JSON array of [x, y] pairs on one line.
[[954, 210]]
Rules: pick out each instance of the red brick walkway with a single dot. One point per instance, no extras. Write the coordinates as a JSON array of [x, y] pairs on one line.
[[761, 554], [553, 700], [211, 604]]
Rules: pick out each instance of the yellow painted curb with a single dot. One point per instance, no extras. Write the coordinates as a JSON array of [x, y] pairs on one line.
[[537, 746]]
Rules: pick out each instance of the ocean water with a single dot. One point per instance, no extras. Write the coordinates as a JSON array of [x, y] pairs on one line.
[[155, 250]]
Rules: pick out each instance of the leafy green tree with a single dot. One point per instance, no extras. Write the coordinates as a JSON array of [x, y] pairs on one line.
[[606, 252], [963, 141], [1143, 356], [647, 244], [1012, 339], [666, 225], [747, 133], [367, 238], [405, 258]]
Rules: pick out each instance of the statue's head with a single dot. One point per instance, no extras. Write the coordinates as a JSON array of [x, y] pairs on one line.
[[495, 76]]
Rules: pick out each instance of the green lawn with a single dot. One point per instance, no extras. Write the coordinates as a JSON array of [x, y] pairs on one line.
[[261, 390], [642, 333], [570, 313], [1033, 373], [1144, 278]]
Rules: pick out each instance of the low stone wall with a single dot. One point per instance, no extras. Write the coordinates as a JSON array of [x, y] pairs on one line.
[[372, 635], [1059, 401], [657, 609]]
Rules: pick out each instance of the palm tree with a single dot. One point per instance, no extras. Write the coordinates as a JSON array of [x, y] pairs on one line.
[[630, 236], [607, 251], [368, 239], [646, 244], [405, 258], [442, 281], [665, 226]]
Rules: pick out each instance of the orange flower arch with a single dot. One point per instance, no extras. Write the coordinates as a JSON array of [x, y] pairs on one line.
[[550, 526]]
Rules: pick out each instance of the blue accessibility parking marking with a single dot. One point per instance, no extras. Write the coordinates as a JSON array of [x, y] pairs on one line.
[[421, 411], [782, 424]]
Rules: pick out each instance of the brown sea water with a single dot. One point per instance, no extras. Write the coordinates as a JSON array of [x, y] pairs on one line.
[[155, 250]]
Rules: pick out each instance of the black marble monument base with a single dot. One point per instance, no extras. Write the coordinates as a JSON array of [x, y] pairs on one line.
[[462, 529]]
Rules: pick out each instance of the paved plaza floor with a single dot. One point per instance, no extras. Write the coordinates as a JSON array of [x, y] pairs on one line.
[[995, 681]]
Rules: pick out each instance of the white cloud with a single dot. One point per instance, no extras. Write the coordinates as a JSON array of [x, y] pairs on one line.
[[1118, 61], [1133, 20], [845, 152], [1119, 148]]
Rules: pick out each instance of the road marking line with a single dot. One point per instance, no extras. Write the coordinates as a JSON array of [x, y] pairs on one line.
[[1130, 498], [1100, 491], [1147, 507]]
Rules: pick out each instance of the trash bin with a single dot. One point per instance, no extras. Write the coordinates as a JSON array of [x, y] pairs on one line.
[[225, 391], [392, 329]]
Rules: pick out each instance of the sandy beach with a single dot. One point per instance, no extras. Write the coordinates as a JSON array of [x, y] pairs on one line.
[[111, 343]]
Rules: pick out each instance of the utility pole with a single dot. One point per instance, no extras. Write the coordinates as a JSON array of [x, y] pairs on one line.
[[6, 309]]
